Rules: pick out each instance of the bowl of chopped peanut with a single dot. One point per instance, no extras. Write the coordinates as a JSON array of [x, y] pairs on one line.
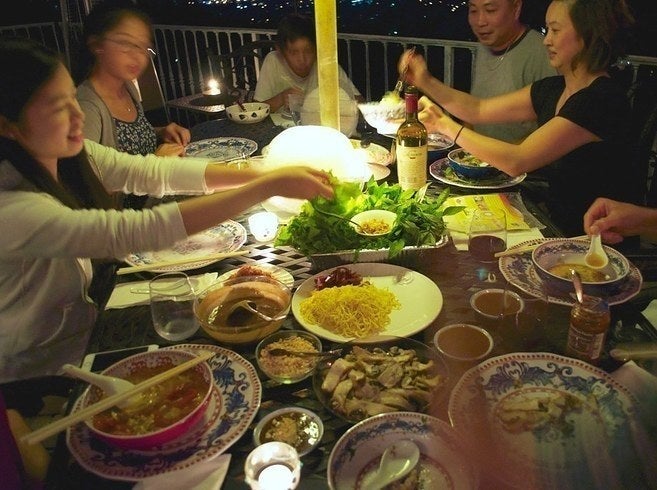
[[299, 427], [288, 356]]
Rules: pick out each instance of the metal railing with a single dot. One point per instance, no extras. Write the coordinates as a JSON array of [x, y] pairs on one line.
[[185, 56]]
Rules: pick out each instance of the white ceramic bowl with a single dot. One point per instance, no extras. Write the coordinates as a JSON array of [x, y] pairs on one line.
[[385, 218], [445, 461], [275, 426], [253, 112], [571, 251]]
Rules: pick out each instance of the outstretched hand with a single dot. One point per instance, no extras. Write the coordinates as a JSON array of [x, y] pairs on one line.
[[431, 115], [615, 220], [412, 67], [301, 182]]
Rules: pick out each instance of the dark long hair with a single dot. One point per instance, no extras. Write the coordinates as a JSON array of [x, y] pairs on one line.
[[103, 17], [604, 26], [32, 65]]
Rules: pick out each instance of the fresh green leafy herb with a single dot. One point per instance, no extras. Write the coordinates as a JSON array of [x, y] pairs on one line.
[[419, 219]]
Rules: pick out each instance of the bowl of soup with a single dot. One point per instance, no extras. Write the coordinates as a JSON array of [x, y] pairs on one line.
[[469, 166], [159, 414], [555, 258], [244, 309]]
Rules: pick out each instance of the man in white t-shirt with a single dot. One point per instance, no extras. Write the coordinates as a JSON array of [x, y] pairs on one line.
[[509, 56], [292, 67]]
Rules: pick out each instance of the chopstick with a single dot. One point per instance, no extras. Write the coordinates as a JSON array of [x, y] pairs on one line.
[[517, 250], [105, 403], [189, 260]]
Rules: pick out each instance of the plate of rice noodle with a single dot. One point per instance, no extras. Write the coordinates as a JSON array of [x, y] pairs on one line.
[[366, 299]]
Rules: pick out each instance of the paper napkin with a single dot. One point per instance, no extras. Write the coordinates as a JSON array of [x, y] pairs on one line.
[[127, 294], [651, 312], [207, 475]]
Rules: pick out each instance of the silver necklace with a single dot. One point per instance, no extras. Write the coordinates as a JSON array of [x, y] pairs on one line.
[[499, 60]]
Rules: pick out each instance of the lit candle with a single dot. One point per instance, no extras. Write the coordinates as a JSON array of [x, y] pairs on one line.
[[213, 87], [275, 477], [263, 226], [327, 62]]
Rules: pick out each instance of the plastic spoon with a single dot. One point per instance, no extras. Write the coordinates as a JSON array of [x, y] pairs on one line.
[[596, 257], [109, 384], [242, 312], [396, 462]]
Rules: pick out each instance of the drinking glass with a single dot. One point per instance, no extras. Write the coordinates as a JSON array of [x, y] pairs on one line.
[[172, 306], [272, 466], [295, 104], [487, 234]]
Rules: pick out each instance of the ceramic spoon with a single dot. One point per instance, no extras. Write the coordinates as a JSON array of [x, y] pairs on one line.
[[242, 312], [109, 384], [596, 257], [396, 462]]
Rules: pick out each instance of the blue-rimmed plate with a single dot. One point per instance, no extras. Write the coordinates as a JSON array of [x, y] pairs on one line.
[[221, 149], [441, 170], [540, 420], [519, 270], [228, 236], [233, 406], [444, 460]]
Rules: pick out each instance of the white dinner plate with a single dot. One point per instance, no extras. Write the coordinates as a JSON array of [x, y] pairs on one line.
[[444, 461], [441, 170], [221, 149], [420, 299], [228, 236], [519, 270], [234, 403], [373, 153], [597, 435], [278, 273]]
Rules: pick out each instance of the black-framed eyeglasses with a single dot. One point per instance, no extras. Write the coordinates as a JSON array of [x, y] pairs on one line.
[[126, 46]]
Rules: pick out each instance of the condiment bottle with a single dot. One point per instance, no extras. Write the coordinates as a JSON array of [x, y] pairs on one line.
[[589, 323], [411, 145]]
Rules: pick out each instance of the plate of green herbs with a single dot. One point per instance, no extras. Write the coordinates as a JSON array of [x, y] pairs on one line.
[[420, 219], [441, 170]]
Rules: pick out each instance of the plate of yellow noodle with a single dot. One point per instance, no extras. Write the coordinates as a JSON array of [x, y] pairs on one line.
[[391, 300]]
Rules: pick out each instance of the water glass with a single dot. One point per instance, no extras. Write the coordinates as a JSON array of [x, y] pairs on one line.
[[263, 226], [172, 306], [295, 104], [487, 234]]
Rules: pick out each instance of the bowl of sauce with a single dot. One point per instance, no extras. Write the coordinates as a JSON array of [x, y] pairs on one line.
[[554, 259], [300, 428], [496, 303], [463, 345]]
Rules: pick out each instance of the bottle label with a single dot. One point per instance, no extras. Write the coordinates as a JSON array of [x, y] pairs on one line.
[[584, 345], [412, 166]]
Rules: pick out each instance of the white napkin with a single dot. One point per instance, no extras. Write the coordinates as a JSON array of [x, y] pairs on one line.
[[640, 382], [651, 312], [207, 475], [512, 237], [127, 294]]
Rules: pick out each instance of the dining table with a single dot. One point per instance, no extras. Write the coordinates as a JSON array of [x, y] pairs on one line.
[[456, 273]]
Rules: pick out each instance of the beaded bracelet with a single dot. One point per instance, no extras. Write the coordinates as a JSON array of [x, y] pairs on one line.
[[458, 133]]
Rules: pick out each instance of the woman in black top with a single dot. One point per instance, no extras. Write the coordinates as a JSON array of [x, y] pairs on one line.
[[582, 113]]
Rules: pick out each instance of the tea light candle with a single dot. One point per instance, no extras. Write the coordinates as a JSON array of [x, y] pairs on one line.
[[213, 88], [272, 466], [276, 476], [263, 226]]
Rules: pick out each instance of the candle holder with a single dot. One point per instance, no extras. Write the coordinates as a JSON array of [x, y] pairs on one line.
[[273, 466], [263, 226]]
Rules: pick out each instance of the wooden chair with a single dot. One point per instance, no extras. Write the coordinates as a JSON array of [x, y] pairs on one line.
[[152, 96]]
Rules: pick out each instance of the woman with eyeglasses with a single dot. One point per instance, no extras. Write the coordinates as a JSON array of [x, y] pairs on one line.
[[118, 46]]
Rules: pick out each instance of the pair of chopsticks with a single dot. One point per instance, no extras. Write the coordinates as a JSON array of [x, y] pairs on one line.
[[105, 403], [517, 250], [189, 260]]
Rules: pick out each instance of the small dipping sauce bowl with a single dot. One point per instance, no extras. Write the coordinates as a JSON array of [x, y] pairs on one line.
[[494, 304], [463, 345], [300, 428]]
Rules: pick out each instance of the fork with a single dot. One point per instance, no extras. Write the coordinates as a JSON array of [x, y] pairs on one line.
[[400, 83]]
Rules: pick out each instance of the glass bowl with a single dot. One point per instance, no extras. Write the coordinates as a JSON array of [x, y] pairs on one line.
[[243, 309], [288, 369], [300, 428]]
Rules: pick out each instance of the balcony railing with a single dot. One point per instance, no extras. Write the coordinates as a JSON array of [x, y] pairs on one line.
[[185, 56]]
